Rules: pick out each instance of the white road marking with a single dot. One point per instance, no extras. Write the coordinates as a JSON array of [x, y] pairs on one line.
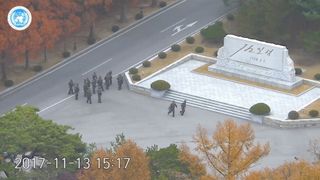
[[179, 29], [96, 67], [44, 109], [85, 51], [173, 25]]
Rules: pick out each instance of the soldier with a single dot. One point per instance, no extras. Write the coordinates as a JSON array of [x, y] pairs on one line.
[[106, 81], [183, 107], [88, 82], [99, 94], [110, 77], [70, 87], [100, 83], [94, 85], [89, 96], [94, 76], [76, 91], [172, 107], [120, 81]]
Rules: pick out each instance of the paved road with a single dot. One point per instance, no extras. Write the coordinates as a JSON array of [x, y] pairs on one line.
[[121, 52]]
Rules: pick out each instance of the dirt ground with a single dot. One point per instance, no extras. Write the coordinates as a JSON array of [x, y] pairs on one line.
[[313, 106], [157, 63], [102, 30]]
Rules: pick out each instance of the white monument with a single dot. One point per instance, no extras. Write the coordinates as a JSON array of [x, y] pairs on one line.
[[257, 61]]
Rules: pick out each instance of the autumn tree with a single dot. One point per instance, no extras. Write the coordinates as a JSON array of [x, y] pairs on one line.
[[289, 170], [231, 150], [315, 148], [133, 164]]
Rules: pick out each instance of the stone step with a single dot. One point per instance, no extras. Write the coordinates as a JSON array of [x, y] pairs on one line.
[[208, 105], [204, 100]]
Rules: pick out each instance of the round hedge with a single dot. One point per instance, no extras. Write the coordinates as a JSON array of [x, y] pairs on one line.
[[313, 113], [160, 85], [146, 64], [175, 47], [138, 16], [115, 28], [162, 4], [298, 71], [260, 109], [8, 83], [293, 115], [91, 40], [230, 17], [66, 54], [216, 53], [136, 77], [190, 40], [317, 76], [162, 55], [133, 70], [37, 68], [199, 49]]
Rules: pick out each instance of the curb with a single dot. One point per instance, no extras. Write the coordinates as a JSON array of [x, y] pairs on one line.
[[38, 76]]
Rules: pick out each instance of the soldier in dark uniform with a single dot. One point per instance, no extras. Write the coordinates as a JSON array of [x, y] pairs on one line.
[[110, 77], [99, 94], [85, 89], [183, 107], [106, 81], [70, 87], [89, 96], [88, 82], [76, 91], [94, 85], [172, 107], [94, 76], [120, 81], [100, 83]]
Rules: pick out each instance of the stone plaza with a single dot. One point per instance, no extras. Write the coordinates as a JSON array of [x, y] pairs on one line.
[[242, 58]]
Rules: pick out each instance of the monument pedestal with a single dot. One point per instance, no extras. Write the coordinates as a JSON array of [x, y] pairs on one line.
[[256, 61], [256, 78]]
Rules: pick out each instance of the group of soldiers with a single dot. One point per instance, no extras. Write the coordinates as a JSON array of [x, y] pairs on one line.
[[96, 86], [173, 106]]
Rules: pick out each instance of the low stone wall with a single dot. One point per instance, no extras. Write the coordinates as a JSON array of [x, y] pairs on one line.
[[286, 123], [311, 82]]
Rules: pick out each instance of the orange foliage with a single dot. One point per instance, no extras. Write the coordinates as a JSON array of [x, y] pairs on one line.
[[137, 165], [293, 171], [231, 150]]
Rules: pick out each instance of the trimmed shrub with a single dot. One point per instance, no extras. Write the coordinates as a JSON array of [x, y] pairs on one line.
[[230, 17], [136, 77], [293, 115], [91, 40], [298, 71], [199, 49], [133, 70], [138, 16], [115, 28], [175, 47], [162, 4], [146, 64], [66, 54], [37, 68], [190, 40], [313, 113], [317, 76], [260, 109], [8, 83], [214, 33], [216, 53], [162, 55], [160, 85]]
